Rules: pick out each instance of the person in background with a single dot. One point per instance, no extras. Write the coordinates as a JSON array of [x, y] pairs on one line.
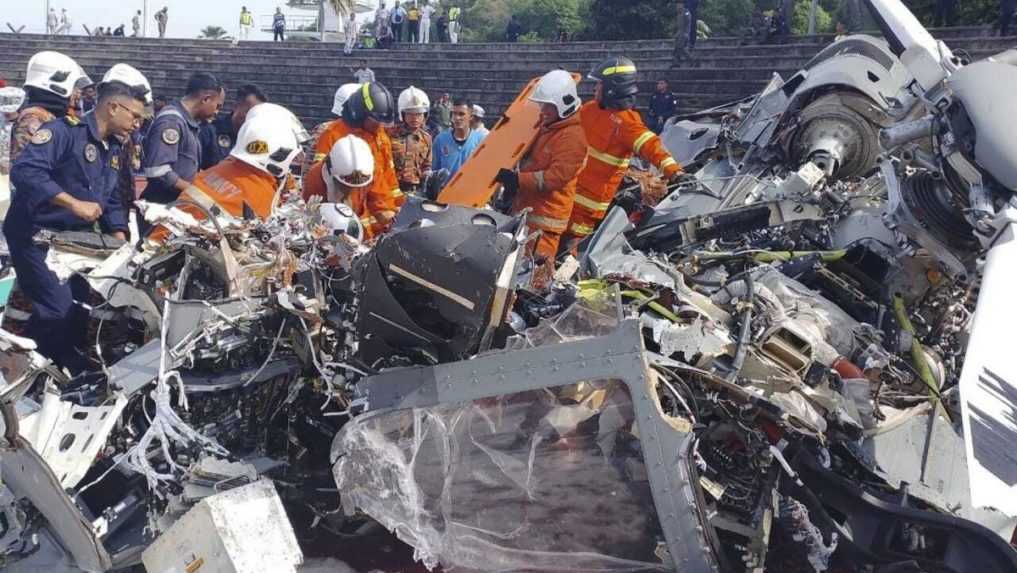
[[352, 31], [411, 144], [545, 179], [663, 104], [1006, 10], [441, 26], [66, 180], [246, 23], [454, 146], [172, 149], [162, 18], [363, 74], [441, 114], [454, 24], [382, 27], [478, 121], [52, 21], [413, 24], [397, 19], [278, 26], [944, 13], [513, 30], [136, 24], [218, 137], [87, 99], [425, 22], [11, 99], [119, 31], [65, 23]]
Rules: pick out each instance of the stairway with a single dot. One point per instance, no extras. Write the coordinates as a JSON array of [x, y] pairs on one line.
[[304, 75]]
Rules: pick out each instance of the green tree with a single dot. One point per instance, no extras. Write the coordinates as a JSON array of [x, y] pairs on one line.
[[631, 19], [485, 20], [213, 33]]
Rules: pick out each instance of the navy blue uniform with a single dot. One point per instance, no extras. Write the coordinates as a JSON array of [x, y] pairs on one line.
[[217, 139], [64, 156], [172, 151]]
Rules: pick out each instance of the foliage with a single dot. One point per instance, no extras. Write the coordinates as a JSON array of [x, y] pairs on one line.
[[726, 17], [213, 33], [485, 20], [631, 19]]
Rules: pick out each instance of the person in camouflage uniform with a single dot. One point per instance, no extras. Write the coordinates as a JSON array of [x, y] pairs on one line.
[[411, 143]]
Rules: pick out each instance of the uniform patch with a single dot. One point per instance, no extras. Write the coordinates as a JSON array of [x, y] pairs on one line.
[[71, 120], [91, 153], [225, 141], [42, 136], [114, 162], [257, 147], [170, 136]]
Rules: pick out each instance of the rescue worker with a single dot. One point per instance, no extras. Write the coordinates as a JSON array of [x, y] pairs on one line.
[[218, 136], [478, 121], [66, 180], [50, 81], [172, 149], [545, 180], [345, 176], [365, 115], [250, 181], [411, 144], [615, 132]]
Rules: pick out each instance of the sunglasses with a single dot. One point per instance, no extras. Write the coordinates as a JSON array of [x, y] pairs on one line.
[[137, 117]]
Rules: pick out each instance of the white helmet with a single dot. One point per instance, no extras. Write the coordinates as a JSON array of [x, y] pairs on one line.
[[11, 99], [281, 115], [53, 72], [341, 95], [413, 100], [266, 143], [558, 88], [129, 75], [351, 162], [478, 112], [340, 219]]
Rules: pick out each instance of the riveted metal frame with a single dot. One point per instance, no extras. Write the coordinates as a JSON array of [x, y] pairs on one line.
[[621, 356]]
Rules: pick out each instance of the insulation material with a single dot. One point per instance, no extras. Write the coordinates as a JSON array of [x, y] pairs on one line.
[[518, 482]]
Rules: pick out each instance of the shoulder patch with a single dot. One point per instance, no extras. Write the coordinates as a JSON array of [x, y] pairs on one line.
[[257, 147], [42, 136], [170, 136], [71, 120], [225, 141], [91, 153], [114, 162]]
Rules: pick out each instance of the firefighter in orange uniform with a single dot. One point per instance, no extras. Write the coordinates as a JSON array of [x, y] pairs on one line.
[[546, 177], [365, 114], [345, 176], [615, 132], [249, 181]]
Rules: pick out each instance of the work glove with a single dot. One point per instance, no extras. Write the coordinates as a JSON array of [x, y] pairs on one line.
[[509, 180]]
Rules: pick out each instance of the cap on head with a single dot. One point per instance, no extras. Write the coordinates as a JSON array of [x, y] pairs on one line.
[[127, 74], [413, 100], [371, 100], [54, 72], [618, 78]]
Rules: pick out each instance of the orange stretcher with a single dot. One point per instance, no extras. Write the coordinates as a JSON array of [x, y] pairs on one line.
[[474, 185]]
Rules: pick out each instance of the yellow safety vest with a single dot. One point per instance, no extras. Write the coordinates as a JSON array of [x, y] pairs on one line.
[[246, 19]]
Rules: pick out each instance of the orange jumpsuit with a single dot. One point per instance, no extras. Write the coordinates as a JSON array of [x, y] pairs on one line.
[[230, 184], [614, 136], [384, 194], [547, 180], [315, 184]]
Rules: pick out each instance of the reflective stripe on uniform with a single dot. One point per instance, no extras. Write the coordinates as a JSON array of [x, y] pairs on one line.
[[641, 140], [668, 162], [539, 176], [319, 156], [618, 70], [397, 192], [548, 224], [581, 230], [368, 221], [608, 158], [591, 204], [366, 91], [157, 171]]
